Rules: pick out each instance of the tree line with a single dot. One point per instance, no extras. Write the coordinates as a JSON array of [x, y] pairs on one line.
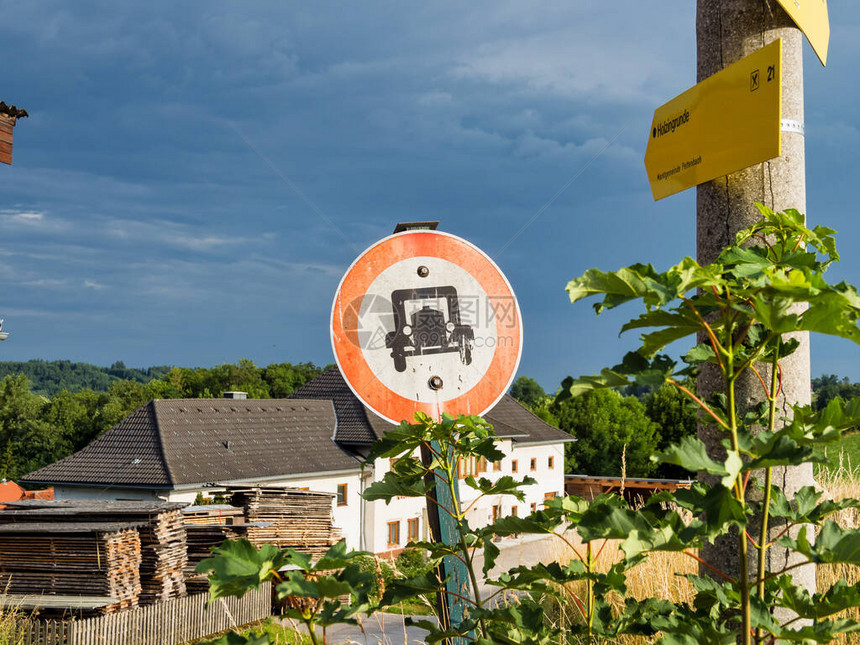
[[48, 410], [37, 429], [618, 431]]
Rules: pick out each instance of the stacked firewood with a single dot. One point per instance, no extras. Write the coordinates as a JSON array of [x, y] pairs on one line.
[[294, 518], [164, 550], [74, 559], [202, 538], [162, 535]]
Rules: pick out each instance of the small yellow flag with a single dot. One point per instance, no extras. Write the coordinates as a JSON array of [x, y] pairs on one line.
[[729, 121]]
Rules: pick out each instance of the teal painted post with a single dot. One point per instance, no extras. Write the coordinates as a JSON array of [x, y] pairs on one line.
[[443, 528]]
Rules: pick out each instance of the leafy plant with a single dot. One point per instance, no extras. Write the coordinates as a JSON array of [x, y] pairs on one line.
[[745, 304], [316, 589]]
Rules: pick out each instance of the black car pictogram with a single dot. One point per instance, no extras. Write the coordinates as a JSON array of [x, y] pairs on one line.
[[426, 330]]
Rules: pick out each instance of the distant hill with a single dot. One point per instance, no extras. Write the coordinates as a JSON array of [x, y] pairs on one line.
[[50, 377]]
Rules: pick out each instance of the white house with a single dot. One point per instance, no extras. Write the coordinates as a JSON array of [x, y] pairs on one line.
[[317, 439]]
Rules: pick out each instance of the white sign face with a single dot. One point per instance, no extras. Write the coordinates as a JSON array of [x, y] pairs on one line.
[[423, 321]]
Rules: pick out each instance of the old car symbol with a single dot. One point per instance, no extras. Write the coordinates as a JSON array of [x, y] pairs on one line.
[[422, 327]]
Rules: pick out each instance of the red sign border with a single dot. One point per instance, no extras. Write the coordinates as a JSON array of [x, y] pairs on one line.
[[358, 277]]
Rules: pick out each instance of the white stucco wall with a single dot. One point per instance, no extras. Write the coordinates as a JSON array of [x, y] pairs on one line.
[[373, 518], [549, 480], [62, 491]]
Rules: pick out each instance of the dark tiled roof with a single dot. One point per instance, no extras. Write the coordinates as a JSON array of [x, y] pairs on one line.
[[358, 425], [128, 453], [168, 443], [355, 424]]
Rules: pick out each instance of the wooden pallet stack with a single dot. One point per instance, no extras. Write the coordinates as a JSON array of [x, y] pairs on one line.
[[162, 535], [72, 558], [201, 539], [212, 514], [165, 556], [297, 519]]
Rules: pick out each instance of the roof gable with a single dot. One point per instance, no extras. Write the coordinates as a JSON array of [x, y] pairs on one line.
[[358, 425], [129, 453]]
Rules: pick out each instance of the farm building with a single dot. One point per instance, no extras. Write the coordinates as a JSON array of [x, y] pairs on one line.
[[316, 440]]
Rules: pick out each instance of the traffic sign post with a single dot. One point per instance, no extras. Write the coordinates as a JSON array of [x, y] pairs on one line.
[[424, 321], [727, 122]]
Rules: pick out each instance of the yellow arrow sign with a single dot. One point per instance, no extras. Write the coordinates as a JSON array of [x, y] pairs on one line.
[[729, 121], [810, 16]]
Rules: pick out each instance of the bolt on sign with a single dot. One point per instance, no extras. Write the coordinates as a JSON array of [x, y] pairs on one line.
[[729, 121], [811, 18], [425, 321]]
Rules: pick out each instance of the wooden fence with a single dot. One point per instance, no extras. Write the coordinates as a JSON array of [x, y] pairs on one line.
[[165, 623]]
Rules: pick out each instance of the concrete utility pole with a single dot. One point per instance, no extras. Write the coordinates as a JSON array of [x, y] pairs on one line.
[[726, 31]]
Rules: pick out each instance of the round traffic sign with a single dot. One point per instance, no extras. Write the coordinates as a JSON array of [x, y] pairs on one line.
[[425, 321]]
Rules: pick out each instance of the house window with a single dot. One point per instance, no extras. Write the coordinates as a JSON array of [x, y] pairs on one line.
[[394, 533], [341, 494], [412, 529], [514, 465], [548, 496], [497, 465], [550, 462], [497, 512], [515, 511], [472, 466], [533, 463], [534, 507]]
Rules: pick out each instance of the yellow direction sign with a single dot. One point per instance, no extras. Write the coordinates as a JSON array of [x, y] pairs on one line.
[[729, 121], [810, 16]]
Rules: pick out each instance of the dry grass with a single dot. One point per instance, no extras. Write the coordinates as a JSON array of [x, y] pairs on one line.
[[842, 483], [12, 621]]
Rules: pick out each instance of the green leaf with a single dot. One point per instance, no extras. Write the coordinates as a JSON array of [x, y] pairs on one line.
[[237, 566], [491, 552], [803, 508], [401, 589], [692, 455], [392, 486], [839, 597], [834, 544], [505, 485], [249, 638]]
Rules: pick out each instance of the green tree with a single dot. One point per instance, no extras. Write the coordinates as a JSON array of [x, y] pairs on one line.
[[827, 387], [26, 441], [675, 416], [284, 378], [528, 392], [610, 429]]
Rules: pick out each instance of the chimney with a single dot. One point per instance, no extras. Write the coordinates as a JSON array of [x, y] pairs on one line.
[[235, 395]]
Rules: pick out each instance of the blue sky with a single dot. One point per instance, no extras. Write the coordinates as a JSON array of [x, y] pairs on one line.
[[195, 178]]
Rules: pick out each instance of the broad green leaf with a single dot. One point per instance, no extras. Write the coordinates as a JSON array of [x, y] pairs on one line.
[[834, 544], [606, 378], [392, 486], [401, 589], [237, 566], [617, 287], [248, 638], [692, 455], [839, 597]]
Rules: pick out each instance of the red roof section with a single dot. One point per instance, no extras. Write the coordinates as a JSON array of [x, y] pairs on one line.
[[12, 492]]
